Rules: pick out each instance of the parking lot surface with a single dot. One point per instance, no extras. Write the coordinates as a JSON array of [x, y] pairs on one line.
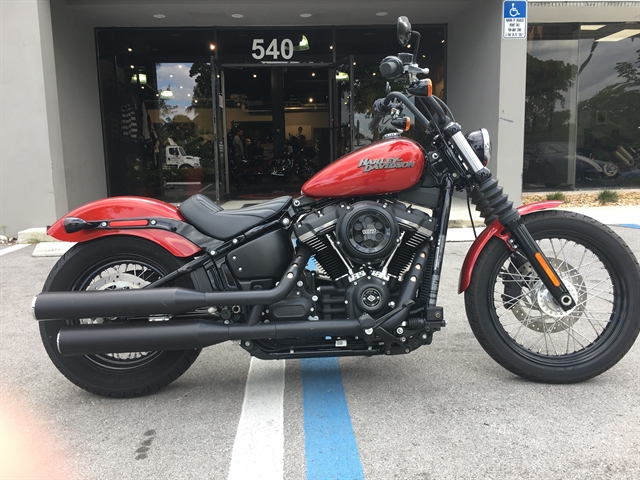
[[446, 411]]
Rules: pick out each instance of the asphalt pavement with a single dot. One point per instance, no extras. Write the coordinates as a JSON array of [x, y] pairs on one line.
[[446, 411]]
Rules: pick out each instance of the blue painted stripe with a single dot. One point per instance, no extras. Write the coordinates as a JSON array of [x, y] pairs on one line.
[[630, 225], [330, 445]]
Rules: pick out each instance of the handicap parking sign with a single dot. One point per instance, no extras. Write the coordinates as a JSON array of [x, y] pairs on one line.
[[515, 20]]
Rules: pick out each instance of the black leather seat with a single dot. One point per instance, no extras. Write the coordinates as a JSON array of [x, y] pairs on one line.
[[212, 220]]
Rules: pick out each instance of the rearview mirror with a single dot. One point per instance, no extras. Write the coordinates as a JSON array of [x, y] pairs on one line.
[[404, 31]]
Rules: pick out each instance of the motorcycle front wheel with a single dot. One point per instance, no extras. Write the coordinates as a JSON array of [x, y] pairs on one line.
[[520, 325], [110, 263]]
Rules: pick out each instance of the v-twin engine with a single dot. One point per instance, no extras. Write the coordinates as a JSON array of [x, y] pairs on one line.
[[364, 248]]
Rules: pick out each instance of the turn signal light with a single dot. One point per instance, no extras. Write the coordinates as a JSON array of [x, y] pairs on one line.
[[429, 87], [401, 123]]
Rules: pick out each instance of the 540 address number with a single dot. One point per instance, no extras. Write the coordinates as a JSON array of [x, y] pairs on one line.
[[259, 52]]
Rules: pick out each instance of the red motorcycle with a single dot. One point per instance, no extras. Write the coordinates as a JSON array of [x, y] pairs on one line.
[[550, 295]]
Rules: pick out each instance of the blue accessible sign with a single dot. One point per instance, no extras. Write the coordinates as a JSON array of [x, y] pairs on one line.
[[515, 20]]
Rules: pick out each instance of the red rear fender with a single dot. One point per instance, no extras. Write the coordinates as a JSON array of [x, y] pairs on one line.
[[495, 229], [121, 208]]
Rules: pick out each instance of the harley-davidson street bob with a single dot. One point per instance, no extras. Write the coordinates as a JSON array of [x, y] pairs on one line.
[[550, 295]]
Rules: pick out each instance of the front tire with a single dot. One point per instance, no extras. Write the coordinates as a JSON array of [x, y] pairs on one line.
[[519, 324], [114, 263]]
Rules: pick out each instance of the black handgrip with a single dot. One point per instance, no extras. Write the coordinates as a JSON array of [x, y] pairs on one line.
[[391, 67], [381, 108], [375, 122]]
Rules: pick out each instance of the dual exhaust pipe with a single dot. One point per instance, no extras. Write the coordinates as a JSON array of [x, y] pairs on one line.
[[186, 335], [89, 339], [158, 301]]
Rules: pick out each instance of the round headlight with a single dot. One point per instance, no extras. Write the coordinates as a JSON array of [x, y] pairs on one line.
[[481, 144]]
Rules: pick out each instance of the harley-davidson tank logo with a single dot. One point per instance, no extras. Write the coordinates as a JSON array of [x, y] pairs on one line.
[[368, 164]]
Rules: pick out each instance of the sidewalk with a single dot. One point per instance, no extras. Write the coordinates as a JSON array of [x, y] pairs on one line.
[[459, 223]]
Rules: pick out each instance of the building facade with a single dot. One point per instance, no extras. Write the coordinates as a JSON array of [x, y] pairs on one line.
[[147, 98]]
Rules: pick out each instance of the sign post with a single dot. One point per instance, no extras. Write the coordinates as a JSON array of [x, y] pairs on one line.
[[515, 19]]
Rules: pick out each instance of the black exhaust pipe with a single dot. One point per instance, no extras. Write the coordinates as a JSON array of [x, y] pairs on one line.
[[184, 335], [158, 301]]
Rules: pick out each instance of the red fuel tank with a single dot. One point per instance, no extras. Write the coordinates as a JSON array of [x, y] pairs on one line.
[[386, 166]]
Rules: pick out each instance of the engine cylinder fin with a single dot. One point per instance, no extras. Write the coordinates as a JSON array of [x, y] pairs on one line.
[[326, 257], [406, 253]]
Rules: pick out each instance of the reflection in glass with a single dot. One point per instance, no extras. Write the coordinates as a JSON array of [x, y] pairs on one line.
[[184, 123], [582, 113]]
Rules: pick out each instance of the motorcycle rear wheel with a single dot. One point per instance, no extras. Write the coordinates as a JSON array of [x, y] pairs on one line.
[[519, 324], [114, 263]]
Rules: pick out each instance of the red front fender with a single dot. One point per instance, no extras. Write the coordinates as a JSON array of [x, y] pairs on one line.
[[494, 229], [116, 208]]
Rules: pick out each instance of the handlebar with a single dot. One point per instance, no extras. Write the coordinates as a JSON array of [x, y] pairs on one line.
[[382, 107], [375, 122]]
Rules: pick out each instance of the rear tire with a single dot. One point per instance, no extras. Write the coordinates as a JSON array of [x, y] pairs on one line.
[[521, 327], [113, 263]]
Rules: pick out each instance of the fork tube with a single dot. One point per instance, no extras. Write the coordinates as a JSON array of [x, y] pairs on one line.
[[443, 211]]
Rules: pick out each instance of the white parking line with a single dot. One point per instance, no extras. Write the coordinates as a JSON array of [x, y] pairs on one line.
[[12, 248], [258, 450]]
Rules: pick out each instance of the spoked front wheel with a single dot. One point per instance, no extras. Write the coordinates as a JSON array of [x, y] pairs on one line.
[[520, 325]]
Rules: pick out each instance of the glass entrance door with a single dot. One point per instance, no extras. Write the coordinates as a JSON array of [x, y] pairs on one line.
[[342, 111], [221, 159]]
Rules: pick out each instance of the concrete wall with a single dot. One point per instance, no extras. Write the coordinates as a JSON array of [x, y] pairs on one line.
[[486, 78], [32, 190], [79, 101]]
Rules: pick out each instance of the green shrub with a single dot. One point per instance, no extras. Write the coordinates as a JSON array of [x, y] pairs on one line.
[[557, 196], [607, 196]]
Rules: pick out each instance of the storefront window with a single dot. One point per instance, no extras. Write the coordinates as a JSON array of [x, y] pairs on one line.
[[241, 113], [184, 122], [582, 106]]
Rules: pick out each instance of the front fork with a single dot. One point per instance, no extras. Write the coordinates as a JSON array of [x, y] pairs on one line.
[[493, 204]]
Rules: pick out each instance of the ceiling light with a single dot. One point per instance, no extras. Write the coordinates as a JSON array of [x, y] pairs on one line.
[[302, 46], [621, 35], [166, 93], [212, 46], [305, 15], [132, 66], [313, 74], [237, 15], [129, 49], [310, 100], [255, 76], [159, 15], [331, 47], [381, 14], [140, 78], [591, 27]]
